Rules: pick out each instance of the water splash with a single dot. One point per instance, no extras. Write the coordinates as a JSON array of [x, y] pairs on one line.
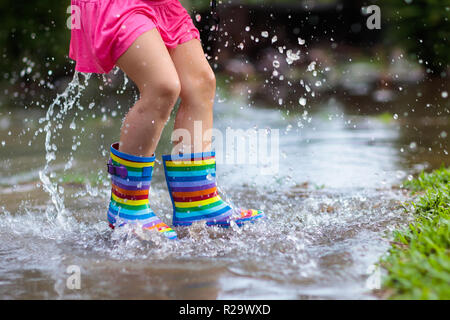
[[52, 123]]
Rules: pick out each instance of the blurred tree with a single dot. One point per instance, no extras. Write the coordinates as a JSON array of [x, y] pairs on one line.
[[422, 27], [34, 38], [37, 31], [33, 35]]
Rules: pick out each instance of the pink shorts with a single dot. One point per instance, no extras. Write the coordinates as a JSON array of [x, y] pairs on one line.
[[102, 30]]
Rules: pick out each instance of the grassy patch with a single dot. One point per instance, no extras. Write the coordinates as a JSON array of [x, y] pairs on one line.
[[437, 180], [80, 179], [419, 261]]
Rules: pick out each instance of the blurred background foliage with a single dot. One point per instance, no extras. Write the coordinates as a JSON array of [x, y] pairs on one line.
[[34, 37], [422, 28]]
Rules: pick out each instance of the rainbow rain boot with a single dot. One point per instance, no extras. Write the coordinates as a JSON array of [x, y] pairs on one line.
[[191, 179], [130, 179]]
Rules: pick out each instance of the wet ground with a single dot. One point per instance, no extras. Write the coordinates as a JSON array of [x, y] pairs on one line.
[[331, 206]]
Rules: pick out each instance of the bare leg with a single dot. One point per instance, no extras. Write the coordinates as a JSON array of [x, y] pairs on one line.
[[198, 85], [197, 97], [148, 63]]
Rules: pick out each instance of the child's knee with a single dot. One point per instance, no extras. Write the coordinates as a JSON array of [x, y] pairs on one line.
[[160, 96], [166, 89], [201, 85], [208, 81]]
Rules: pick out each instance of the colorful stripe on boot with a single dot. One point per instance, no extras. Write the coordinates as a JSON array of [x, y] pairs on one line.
[[130, 179], [191, 179]]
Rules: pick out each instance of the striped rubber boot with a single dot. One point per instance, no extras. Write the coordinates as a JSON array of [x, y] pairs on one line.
[[130, 179], [191, 179]]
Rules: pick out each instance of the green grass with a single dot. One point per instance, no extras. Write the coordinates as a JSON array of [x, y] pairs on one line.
[[419, 261], [77, 178]]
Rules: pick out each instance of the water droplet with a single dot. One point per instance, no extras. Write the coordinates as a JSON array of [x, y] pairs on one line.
[[291, 57], [302, 101], [276, 64], [311, 66], [265, 34]]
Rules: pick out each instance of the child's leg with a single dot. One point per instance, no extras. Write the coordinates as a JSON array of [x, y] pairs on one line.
[[191, 177], [150, 66], [148, 63], [198, 86]]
